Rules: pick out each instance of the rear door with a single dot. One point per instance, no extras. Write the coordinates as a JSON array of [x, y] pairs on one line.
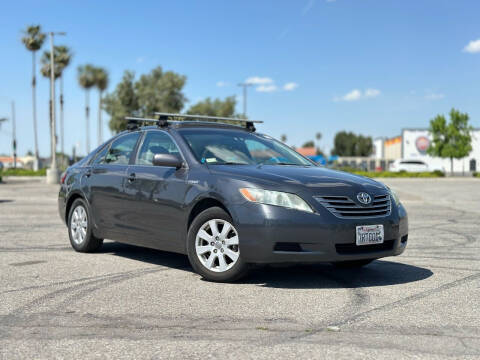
[[156, 195], [106, 182]]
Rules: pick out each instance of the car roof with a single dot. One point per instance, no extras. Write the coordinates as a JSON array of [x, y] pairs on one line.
[[194, 124]]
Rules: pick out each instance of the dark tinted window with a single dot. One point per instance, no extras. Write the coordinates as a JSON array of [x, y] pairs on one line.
[[100, 157], [121, 150], [155, 142]]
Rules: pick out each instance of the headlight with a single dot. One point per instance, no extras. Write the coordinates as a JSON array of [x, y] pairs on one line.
[[395, 197], [277, 198]]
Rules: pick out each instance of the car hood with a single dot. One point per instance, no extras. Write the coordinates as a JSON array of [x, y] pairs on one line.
[[299, 179]]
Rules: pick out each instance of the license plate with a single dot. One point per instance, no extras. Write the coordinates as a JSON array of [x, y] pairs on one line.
[[369, 234]]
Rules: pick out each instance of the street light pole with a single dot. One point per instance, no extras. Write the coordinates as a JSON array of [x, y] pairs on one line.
[[245, 85], [52, 173], [14, 136]]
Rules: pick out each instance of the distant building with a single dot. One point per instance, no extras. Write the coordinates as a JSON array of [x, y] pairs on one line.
[[415, 143]]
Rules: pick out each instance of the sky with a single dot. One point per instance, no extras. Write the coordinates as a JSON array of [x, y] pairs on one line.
[[368, 66]]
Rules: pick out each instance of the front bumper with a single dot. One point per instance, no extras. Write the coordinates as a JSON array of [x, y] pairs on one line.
[[271, 234]]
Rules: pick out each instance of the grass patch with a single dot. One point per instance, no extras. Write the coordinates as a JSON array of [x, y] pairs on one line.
[[401, 174], [22, 172], [476, 174]]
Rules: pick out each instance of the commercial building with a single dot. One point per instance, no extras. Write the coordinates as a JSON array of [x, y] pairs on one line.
[[412, 144]]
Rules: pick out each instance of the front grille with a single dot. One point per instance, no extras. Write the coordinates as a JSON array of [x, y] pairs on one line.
[[344, 207], [351, 249]]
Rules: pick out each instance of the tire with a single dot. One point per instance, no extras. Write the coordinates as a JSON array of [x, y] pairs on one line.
[[80, 228], [352, 264], [215, 253]]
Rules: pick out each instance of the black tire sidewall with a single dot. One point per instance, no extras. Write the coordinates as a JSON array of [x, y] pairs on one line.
[[236, 272], [90, 243]]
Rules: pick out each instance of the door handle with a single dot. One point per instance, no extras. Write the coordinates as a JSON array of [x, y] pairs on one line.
[[131, 177]]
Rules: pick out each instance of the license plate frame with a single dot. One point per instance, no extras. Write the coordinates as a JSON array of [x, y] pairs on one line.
[[369, 235]]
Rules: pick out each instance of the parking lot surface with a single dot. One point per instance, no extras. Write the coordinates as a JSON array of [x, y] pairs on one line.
[[131, 302]]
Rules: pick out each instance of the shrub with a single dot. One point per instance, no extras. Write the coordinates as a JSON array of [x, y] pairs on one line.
[[23, 172]]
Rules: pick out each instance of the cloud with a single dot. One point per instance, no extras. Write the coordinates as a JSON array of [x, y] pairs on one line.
[[257, 80], [266, 88], [356, 95], [290, 86], [473, 47], [308, 6], [222, 83], [434, 96], [371, 93]]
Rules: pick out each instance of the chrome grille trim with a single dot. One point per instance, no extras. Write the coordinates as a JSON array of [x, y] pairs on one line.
[[346, 208]]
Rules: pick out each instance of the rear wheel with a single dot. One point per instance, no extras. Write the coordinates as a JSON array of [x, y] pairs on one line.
[[213, 247], [80, 228], [352, 264]]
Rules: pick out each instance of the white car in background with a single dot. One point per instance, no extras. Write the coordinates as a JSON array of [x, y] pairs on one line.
[[409, 166]]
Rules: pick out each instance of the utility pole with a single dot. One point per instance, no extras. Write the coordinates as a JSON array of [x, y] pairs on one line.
[[52, 173], [14, 136], [245, 85]]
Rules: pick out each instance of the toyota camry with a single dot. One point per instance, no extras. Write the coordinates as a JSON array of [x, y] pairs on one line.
[[228, 197]]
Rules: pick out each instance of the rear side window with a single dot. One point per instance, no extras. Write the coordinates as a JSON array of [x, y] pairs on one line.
[[121, 150], [155, 142]]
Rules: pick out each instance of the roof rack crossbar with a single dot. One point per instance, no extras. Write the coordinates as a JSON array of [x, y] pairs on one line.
[[206, 117], [164, 118]]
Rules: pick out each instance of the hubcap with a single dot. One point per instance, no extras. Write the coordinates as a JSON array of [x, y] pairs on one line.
[[216, 245], [78, 224]]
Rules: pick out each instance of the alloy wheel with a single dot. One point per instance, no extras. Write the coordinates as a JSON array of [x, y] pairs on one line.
[[216, 245], [79, 224]]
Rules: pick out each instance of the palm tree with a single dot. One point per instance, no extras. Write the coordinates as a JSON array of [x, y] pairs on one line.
[[86, 79], [64, 58], [61, 58], [101, 82], [33, 41], [45, 71], [318, 136]]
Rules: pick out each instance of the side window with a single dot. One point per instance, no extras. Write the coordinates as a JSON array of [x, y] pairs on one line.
[[155, 142], [100, 157], [121, 150]]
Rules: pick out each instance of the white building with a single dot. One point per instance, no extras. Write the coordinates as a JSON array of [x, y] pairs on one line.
[[415, 143]]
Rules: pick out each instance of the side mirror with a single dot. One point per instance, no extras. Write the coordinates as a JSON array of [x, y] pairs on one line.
[[167, 160]]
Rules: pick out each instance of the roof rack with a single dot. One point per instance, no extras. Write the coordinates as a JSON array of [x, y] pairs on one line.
[[249, 124], [164, 118]]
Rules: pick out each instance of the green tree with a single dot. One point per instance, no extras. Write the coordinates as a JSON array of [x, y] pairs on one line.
[[216, 107], [101, 83], [349, 144], [283, 138], [451, 140], [33, 40], [123, 101], [156, 91], [309, 144], [86, 80]]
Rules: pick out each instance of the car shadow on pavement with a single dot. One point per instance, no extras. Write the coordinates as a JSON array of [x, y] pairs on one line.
[[326, 276], [151, 256], [319, 276]]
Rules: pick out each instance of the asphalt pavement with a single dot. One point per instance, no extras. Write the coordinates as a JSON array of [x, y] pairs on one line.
[[129, 302]]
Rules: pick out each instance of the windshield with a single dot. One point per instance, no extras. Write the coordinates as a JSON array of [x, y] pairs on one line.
[[233, 147]]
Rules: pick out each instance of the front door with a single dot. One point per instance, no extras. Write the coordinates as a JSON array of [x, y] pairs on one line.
[[156, 195]]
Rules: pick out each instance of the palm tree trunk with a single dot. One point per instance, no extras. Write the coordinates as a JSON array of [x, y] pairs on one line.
[[100, 135], [62, 134], [87, 115], [34, 106]]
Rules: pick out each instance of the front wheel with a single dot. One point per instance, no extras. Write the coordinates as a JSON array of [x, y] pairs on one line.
[[213, 247]]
